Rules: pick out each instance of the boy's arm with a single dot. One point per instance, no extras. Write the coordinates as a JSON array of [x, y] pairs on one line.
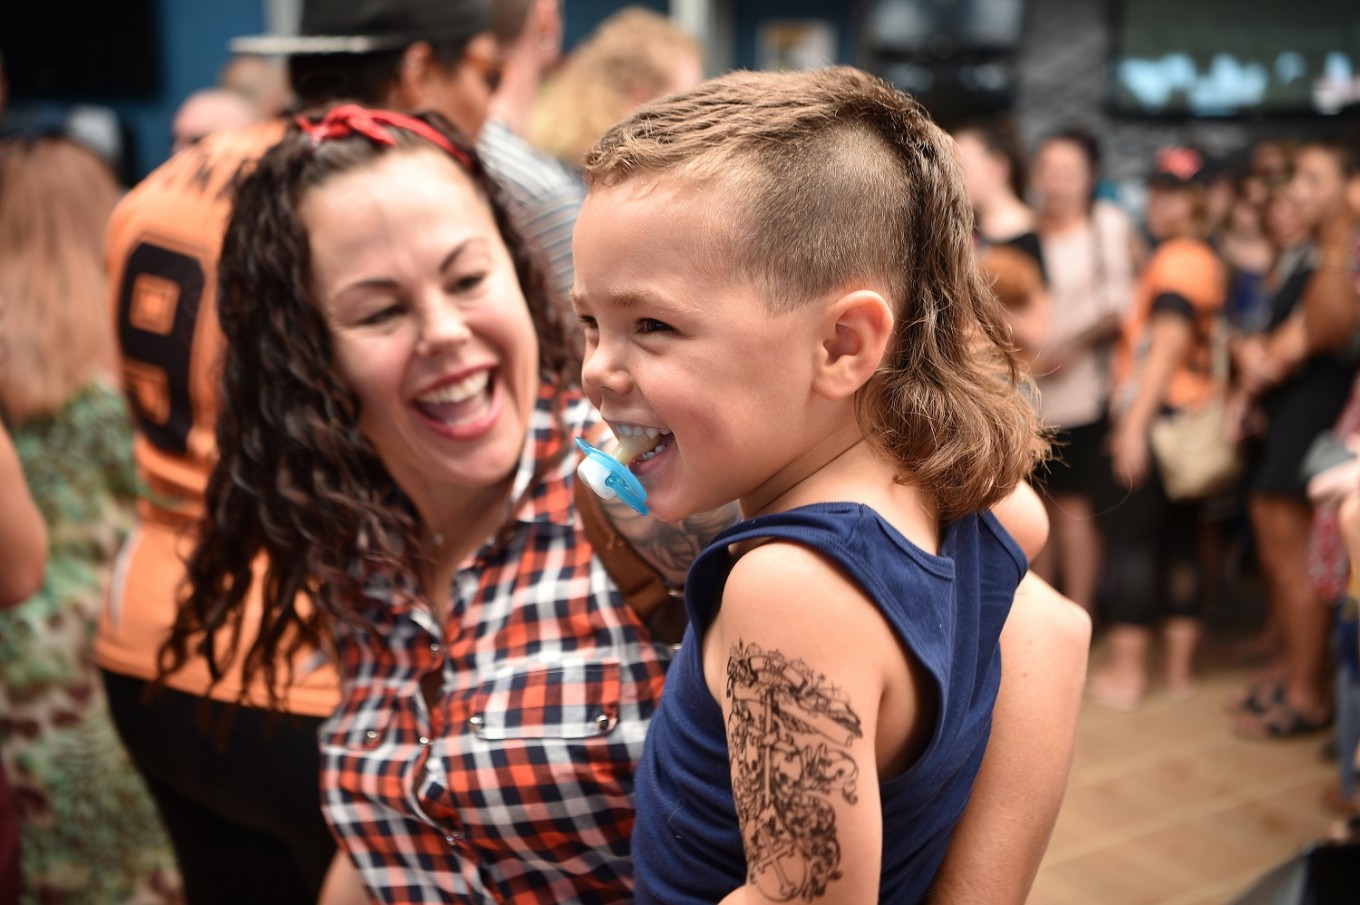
[[998, 845], [23, 533], [799, 661]]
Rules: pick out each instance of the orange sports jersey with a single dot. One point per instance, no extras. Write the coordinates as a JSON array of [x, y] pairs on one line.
[[162, 247], [1192, 270]]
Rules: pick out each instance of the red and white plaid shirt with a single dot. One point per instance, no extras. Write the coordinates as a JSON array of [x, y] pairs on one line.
[[518, 788]]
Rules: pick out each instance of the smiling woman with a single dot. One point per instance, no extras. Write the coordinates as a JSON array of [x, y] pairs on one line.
[[429, 329]]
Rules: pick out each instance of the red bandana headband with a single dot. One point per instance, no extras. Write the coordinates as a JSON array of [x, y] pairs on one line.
[[351, 119]]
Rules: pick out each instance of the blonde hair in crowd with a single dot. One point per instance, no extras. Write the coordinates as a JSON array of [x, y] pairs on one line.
[[631, 58], [55, 330], [832, 177]]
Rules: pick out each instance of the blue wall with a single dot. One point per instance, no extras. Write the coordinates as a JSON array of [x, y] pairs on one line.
[[193, 39]]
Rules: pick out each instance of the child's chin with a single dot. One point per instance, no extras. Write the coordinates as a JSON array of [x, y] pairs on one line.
[[671, 511], [668, 515]]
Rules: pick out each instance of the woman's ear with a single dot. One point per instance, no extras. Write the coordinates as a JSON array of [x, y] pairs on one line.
[[856, 331]]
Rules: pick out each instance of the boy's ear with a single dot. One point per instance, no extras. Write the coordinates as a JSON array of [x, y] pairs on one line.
[[856, 331]]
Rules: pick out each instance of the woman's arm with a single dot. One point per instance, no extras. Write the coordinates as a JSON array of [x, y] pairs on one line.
[[23, 534], [1331, 300], [1171, 336], [998, 845], [1324, 321]]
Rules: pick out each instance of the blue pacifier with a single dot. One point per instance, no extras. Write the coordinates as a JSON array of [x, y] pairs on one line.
[[610, 478]]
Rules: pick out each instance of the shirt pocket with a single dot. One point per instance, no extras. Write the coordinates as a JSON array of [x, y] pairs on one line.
[[575, 699]]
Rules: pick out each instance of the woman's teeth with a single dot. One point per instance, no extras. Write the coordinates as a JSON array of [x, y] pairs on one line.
[[462, 391], [639, 443]]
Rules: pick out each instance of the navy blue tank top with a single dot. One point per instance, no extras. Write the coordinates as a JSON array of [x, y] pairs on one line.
[[948, 610]]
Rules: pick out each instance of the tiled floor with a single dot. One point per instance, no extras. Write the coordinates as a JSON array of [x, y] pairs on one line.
[[1167, 807]]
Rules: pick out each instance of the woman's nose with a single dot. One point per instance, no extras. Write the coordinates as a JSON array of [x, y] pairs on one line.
[[442, 326]]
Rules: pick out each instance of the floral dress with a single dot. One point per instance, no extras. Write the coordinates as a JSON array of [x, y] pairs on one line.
[[89, 829]]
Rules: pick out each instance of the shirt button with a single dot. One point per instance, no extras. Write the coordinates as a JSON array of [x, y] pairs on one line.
[[434, 647], [453, 838], [423, 740], [371, 735]]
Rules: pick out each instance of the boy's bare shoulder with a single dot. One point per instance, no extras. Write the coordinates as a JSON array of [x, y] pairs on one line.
[[786, 584]]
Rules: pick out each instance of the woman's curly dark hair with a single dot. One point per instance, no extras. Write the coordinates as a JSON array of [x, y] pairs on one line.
[[297, 481]]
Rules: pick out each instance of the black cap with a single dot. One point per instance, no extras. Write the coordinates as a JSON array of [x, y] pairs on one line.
[[371, 26], [1179, 166]]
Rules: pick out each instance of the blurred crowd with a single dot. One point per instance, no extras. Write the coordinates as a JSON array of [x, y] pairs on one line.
[[1196, 362], [1232, 299]]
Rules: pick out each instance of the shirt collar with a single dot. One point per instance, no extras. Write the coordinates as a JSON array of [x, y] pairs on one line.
[[550, 502]]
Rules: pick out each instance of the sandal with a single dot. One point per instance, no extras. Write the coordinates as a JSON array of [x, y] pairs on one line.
[[1257, 699], [1280, 722]]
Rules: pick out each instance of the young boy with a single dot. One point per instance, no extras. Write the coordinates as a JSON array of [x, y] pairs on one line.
[[776, 280]]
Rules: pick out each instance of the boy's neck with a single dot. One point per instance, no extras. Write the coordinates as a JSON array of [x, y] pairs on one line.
[[848, 468]]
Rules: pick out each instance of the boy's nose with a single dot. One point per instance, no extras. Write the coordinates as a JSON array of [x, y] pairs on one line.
[[602, 370]]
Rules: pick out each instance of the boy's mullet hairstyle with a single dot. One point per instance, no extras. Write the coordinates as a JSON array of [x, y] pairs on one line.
[[831, 179]]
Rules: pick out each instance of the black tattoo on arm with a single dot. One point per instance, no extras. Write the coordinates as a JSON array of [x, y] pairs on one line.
[[671, 548], [788, 733]]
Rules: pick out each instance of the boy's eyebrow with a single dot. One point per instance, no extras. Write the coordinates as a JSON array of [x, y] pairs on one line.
[[628, 298]]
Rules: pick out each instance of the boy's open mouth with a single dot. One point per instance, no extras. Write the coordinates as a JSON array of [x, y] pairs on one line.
[[638, 444]]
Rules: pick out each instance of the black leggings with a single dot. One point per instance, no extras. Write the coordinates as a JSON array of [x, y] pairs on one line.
[[245, 816], [1146, 537]]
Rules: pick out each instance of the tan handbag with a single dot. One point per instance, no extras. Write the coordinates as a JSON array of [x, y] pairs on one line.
[[1192, 450]]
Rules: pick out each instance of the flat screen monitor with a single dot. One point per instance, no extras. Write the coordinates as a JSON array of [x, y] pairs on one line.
[[1226, 58]]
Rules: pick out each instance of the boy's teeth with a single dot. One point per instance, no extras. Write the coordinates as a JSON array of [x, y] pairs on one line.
[[461, 391], [637, 442]]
